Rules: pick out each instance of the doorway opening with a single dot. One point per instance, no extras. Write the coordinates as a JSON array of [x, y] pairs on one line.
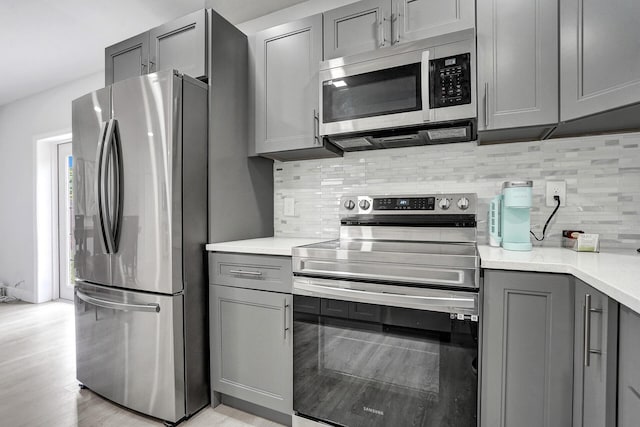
[[66, 271]]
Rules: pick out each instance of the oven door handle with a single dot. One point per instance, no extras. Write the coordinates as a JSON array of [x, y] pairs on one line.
[[440, 301]]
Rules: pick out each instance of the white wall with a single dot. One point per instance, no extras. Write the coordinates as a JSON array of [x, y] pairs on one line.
[[21, 123]]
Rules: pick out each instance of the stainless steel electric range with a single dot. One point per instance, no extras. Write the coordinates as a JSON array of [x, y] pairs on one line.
[[386, 318]]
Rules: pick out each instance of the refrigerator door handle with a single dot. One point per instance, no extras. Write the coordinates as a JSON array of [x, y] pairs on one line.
[[99, 185], [104, 192], [152, 308], [115, 148]]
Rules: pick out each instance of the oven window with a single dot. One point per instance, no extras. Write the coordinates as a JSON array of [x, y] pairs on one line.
[[388, 91], [368, 365]]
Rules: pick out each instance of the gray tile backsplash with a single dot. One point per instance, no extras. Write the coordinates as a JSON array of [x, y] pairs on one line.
[[602, 175]]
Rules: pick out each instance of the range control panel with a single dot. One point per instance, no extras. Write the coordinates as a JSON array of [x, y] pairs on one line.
[[450, 81], [432, 204], [405, 203]]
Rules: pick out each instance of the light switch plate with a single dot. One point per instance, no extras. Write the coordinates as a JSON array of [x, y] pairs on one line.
[[289, 206]]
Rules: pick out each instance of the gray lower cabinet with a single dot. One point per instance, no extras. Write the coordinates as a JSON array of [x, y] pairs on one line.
[[600, 66], [595, 358], [629, 368], [287, 59], [371, 24], [517, 65], [251, 346], [179, 44], [527, 352]]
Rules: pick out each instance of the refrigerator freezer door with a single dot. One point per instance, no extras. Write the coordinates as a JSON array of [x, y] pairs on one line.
[[147, 110], [90, 114], [129, 349]]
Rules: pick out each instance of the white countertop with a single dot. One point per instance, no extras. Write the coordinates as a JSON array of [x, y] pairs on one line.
[[264, 246], [615, 274]]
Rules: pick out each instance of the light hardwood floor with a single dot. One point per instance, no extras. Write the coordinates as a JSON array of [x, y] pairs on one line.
[[37, 377]]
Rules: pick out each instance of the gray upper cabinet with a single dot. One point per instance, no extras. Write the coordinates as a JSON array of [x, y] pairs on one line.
[[181, 45], [419, 19], [600, 64], [287, 58], [370, 24], [356, 28], [517, 63], [129, 58], [527, 356], [595, 358], [629, 368], [251, 346]]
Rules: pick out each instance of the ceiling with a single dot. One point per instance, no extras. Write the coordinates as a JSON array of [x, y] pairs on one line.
[[45, 43]]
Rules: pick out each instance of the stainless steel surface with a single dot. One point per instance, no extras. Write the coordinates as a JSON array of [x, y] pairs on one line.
[[428, 234], [151, 126], [451, 198], [148, 110], [132, 357], [114, 305], [512, 184], [438, 300], [247, 273], [91, 260], [393, 56], [426, 85]]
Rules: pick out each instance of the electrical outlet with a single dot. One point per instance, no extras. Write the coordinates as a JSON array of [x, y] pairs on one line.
[[289, 206], [556, 188]]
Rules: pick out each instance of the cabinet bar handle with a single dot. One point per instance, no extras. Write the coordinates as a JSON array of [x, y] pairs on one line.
[[246, 273], [316, 127], [382, 40], [396, 25], [486, 106], [587, 329], [285, 306]]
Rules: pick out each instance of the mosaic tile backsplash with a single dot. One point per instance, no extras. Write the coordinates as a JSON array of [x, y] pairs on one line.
[[602, 175]]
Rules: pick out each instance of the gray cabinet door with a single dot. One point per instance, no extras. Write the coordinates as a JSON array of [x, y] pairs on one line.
[[419, 19], [180, 45], [527, 349], [287, 58], [129, 58], [251, 346], [629, 368], [594, 375], [356, 28], [517, 63], [600, 65]]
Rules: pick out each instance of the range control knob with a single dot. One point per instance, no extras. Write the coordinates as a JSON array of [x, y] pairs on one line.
[[349, 204], [444, 204], [364, 204], [463, 203]]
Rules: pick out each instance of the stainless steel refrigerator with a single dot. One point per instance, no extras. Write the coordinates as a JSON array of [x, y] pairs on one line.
[[140, 201]]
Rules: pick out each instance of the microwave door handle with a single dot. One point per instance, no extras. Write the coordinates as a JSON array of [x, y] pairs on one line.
[[426, 86]]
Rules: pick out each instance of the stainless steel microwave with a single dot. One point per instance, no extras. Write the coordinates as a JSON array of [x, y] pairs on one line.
[[417, 93]]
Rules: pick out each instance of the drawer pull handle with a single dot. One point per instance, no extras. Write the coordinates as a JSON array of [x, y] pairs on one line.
[[246, 273]]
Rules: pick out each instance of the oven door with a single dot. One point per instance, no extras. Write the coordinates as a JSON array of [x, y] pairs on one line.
[[367, 358], [385, 92]]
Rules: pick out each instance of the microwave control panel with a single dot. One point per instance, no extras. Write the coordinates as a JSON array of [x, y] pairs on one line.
[[450, 81]]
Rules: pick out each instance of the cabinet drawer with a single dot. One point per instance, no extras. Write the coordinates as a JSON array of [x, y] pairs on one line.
[[263, 272]]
